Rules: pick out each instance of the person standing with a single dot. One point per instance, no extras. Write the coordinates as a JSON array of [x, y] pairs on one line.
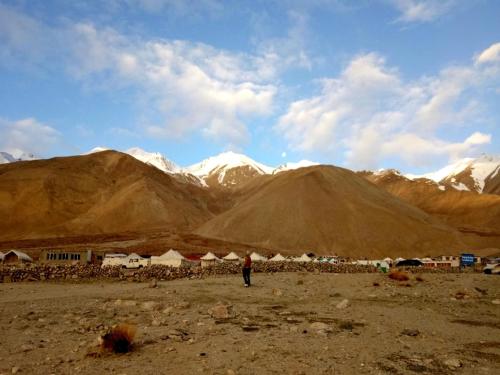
[[247, 267]]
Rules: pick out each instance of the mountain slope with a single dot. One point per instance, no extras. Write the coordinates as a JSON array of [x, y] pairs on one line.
[[97, 193], [476, 216], [328, 210]]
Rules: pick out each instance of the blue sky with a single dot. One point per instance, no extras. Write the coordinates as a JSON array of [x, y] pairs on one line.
[[407, 84]]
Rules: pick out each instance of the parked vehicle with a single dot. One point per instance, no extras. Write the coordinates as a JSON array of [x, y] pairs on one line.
[[492, 269]]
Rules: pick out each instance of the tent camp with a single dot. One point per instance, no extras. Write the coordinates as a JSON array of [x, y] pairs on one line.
[[278, 258], [16, 257], [171, 258], [303, 258], [232, 257], [257, 257], [209, 259]]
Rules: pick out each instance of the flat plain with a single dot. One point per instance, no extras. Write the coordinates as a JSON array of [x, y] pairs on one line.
[[286, 323]]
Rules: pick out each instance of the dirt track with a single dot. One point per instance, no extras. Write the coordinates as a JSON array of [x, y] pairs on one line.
[[285, 323]]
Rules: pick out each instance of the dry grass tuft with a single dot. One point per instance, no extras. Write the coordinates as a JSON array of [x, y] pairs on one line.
[[119, 339], [399, 276]]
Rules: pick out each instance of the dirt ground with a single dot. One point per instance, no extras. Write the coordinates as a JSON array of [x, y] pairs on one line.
[[290, 323]]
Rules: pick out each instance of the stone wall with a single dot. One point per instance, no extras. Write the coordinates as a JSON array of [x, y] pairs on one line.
[[40, 272]]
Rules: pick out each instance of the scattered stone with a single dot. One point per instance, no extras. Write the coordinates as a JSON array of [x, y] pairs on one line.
[[320, 326], [496, 302], [410, 332], [453, 363], [277, 292], [151, 305], [343, 304], [15, 370], [153, 283], [221, 311]]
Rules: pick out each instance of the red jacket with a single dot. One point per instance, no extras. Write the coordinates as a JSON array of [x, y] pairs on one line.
[[247, 262]]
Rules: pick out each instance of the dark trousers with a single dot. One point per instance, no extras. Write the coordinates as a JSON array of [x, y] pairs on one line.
[[246, 275]]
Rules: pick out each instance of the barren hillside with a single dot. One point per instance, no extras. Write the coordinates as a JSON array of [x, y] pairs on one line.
[[329, 210]]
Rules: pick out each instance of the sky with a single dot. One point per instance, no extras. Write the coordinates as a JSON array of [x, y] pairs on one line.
[[368, 84]]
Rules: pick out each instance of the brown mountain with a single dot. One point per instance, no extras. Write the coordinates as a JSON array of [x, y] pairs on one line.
[[97, 193], [328, 210], [467, 211]]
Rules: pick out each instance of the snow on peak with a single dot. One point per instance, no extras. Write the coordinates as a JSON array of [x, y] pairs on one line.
[[155, 159], [96, 149], [291, 166], [480, 168], [6, 157], [224, 162], [448, 171]]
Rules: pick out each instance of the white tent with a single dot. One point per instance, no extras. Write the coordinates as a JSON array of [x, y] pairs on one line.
[[232, 257], [303, 258], [1, 256], [388, 260], [171, 258], [209, 259], [278, 258], [257, 257], [14, 256]]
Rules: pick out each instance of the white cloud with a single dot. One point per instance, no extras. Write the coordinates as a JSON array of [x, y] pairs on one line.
[[422, 10], [489, 55], [181, 87], [369, 112], [27, 136]]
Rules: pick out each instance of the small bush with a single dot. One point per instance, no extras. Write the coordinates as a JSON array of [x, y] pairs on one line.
[[399, 276]]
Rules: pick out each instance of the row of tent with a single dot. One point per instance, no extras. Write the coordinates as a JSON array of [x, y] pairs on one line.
[[175, 259]]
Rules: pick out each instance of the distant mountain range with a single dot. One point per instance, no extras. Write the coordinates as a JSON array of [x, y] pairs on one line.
[[230, 169], [232, 199]]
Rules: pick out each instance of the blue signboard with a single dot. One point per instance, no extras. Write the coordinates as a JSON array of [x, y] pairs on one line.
[[467, 259]]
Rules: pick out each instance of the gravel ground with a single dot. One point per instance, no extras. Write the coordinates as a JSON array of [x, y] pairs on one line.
[[289, 323]]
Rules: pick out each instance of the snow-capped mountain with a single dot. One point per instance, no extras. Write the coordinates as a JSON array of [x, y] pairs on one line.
[[155, 159], [6, 157], [228, 169], [291, 166], [480, 174]]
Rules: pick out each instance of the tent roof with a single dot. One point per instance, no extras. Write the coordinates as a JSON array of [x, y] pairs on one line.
[[209, 256], [172, 254], [20, 255], [231, 256], [257, 257], [303, 258], [278, 258]]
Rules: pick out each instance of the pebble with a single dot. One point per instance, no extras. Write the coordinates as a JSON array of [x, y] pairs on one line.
[[343, 304], [453, 363]]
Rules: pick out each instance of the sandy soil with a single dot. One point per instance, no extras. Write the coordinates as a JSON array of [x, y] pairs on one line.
[[283, 324]]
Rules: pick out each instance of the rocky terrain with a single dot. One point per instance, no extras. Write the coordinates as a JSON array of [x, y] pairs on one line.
[[293, 323]]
